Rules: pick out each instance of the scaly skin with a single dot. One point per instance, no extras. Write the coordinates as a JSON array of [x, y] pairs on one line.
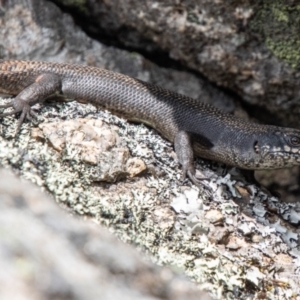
[[191, 125]]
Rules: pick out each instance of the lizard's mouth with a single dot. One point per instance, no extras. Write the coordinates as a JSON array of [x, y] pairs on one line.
[[279, 159]]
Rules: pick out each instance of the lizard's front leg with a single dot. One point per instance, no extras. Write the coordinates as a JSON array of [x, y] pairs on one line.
[[44, 86], [185, 155]]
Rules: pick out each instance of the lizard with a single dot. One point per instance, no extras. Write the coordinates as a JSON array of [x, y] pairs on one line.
[[192, 126]]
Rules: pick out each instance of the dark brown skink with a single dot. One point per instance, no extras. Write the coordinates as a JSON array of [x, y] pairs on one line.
[[192, 126]]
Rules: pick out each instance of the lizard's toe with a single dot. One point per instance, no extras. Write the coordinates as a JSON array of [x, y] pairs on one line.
[[7, 105], [199, 181], [9, 113], [33, 114], [190, 172], [24, 115]]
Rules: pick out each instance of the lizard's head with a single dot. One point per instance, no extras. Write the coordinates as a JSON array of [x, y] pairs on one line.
[[277, 147]]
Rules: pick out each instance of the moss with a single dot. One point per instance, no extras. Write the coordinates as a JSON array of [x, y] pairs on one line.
[[278, 24], [287, 51], [280, 15]]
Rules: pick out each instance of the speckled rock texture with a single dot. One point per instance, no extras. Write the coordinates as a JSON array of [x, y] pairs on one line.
[[249, 47], [237, 241], [47, 254]]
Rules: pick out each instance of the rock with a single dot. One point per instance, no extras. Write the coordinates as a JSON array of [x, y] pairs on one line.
[[248, 47], [215, 217], [41, 246]]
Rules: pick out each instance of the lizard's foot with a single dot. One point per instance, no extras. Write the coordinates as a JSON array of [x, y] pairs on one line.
[[198, 181], [26, 113], [184, 151], [39, 90]]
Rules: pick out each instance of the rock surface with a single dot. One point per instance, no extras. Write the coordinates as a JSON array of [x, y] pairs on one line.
[[47, 254], [236, 241]]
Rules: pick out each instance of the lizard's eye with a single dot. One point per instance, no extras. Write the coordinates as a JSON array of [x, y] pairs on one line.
[[295, 140], [256, 147]]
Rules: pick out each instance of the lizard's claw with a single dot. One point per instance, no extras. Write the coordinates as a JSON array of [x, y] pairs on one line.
[[196, 180], [21, 120], [25, 114], [199, 181], [190, 171], [33, 114]]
